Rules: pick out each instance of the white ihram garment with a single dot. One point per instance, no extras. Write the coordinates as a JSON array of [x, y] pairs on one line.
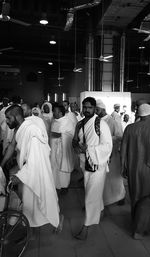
[[114, 189], [71, 116], [62, 158], [40, 203], [99, 150]]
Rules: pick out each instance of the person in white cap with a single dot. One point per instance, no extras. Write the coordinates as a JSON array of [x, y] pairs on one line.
[[135, 159], [114, 190], [116, 116]]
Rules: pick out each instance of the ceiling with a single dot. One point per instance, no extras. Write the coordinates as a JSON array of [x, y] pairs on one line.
[[29, 45]]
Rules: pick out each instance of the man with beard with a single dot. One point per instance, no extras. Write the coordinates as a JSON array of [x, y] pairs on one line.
[[94, 150], [34, 176]]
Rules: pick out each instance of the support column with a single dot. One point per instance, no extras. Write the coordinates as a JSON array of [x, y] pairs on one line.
[[89, 62], [122, 62], [107, 67]]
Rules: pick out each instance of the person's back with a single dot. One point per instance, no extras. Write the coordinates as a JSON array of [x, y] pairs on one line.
[[135, 159], [114, 190], [138, 142], [62, 155]]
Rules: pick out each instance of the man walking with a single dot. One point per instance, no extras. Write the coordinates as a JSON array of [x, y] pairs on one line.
[[114, 190], [39, 197], [135, 159], [93, 142], [62, 154]]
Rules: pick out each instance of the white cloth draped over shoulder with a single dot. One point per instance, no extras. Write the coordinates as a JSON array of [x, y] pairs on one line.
[[71, 116], [40, 203], [114, 189], [40, 123], [99, 148], [62, 154]]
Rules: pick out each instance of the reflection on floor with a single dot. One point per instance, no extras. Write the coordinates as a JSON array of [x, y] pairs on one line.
[[111, 238]]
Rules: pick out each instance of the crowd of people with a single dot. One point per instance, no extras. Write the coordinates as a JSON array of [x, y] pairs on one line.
[[42, 146]]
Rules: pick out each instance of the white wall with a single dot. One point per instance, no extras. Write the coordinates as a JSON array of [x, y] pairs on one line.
[[109, 99]]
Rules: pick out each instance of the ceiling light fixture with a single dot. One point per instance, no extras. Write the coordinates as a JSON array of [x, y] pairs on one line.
[[52, 40], [44, 20], [50, 63], [141, 47], [76, 69]]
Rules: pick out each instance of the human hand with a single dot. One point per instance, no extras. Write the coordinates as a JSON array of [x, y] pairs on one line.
[[124, 173], [83, 148], [15, 180]]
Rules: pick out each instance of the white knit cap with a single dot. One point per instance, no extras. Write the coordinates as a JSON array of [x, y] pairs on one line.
[[144, 110], [100, 104]]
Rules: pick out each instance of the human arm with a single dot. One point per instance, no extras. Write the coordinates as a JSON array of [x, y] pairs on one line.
[[2, 182], [55, 134], [123, 154], [78, 147], [9, 152]]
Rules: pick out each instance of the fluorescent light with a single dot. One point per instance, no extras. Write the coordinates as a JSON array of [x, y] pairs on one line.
[[50, 63], [52, 42], [77, 69], [44, 22], [141, 47]]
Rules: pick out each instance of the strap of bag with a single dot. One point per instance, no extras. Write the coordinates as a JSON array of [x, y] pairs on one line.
[[84, 141]]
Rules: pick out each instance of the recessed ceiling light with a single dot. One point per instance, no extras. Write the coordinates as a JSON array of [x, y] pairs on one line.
[[141, 47], [52, 42], [39, 71], [44, 22], [50, 63]]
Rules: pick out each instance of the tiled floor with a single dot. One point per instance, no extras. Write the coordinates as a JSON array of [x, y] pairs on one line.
[[111, 238]]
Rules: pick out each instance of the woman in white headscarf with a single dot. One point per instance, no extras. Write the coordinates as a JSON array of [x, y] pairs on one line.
[[47, 115]]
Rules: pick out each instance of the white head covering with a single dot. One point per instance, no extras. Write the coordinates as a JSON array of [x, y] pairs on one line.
[[49, 105], [36, 111], [100, 104], [144, 110], [116, 105], [47, 116]]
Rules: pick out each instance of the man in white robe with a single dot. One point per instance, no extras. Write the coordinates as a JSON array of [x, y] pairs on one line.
[[98, 150], [39, 197], [71, 115], [116, 116], [114, 190], [62, 155]]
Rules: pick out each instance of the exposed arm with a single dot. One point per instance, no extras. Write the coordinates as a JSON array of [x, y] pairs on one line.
[[55, 134], [123, 154], [9, 152], [78, 147]]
